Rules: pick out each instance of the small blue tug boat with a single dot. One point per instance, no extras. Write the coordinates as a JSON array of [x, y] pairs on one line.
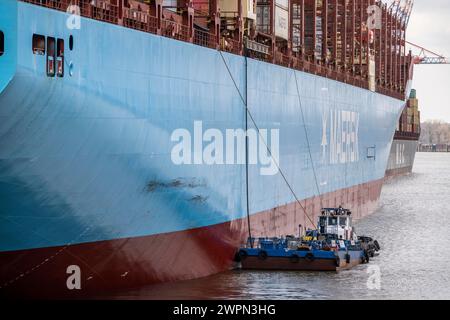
[[333, 246]]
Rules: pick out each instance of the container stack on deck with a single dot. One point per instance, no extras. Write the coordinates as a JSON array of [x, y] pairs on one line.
[[410, 119], [329, 38]]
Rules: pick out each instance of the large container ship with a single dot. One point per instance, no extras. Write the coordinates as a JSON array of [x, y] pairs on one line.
[[406, 139], [93, 91]]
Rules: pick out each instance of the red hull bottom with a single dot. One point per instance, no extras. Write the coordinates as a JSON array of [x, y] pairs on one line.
[[131, 262]]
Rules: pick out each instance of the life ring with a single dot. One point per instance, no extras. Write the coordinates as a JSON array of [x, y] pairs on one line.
[[262, 255], [294, 258], [309, 256]]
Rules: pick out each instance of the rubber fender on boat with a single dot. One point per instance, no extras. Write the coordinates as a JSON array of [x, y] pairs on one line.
[[309, 256], [347, 258], [242, 254], [262, 255], [366, 256], [338, 261], [377, 245]]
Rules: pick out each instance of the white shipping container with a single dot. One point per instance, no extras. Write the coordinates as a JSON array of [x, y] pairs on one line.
[[283, 4], [229, 8], [281, 23], [372, 70]]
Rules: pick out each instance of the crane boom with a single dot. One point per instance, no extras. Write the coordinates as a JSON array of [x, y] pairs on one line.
[[426, 56], [433, 60]]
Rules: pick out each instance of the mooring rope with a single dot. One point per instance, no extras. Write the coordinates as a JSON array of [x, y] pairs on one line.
[[307, 140]]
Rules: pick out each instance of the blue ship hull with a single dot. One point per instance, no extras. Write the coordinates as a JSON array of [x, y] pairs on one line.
[[86, 175]]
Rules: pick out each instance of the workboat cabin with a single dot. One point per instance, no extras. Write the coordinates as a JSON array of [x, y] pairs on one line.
[[337, 221]]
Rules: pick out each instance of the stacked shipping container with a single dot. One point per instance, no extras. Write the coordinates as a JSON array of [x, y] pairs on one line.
[[410, 119], [359, 42]]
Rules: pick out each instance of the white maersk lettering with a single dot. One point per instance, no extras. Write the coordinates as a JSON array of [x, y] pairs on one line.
[[344, 126]]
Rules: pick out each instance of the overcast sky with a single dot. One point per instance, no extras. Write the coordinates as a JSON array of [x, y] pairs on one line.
[[430, 27]]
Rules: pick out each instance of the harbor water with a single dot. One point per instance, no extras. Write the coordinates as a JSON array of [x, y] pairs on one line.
[[412, 225]]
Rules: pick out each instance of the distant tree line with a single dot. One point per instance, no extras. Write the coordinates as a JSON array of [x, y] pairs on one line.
[[435, 132]]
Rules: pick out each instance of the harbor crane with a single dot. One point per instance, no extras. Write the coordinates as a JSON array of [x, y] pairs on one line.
[[426, 56], [402, 10]]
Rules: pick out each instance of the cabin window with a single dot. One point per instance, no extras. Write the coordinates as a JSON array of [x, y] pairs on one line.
[[332, 221], [71, 42], [2, 42], [38, 44], [323, 221], [60, 58], [343, 221], [51, 56]]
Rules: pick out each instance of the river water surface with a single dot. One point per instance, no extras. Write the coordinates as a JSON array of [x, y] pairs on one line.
[[412, 225]]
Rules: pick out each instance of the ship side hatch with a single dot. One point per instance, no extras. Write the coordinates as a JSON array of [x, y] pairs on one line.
[[50, 56], [38, 44], [60, 58]]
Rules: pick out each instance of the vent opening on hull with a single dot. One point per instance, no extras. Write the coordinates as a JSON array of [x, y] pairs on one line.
[[50, 56], [2, 42], [60, 58], [38, 44]]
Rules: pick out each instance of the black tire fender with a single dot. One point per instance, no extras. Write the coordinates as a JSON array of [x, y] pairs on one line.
[[242, 254], [337, 261], [366, 256], [347, 257], [377, 245], [309, 256], [262, 255]]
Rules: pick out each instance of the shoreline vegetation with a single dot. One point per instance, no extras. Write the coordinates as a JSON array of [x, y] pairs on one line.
[[434, 136]]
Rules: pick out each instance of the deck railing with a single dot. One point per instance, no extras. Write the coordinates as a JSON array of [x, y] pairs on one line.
[[104, 11], [174, 30], [204, 39], [230, 45], [136, 19]]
